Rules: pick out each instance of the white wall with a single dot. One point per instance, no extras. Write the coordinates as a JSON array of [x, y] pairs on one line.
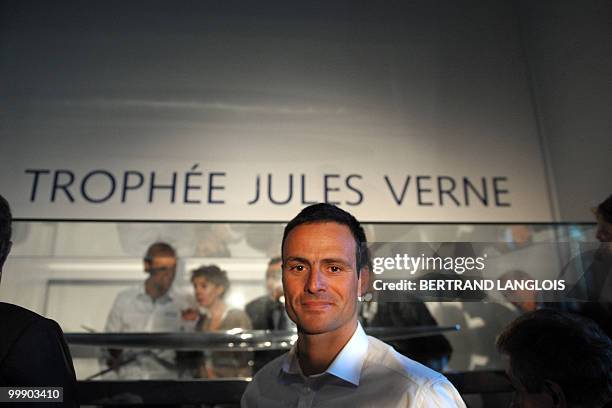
[[399, 89], [567, 44]]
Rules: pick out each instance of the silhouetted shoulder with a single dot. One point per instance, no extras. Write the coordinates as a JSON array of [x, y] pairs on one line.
[[14, 321], [33, 352]]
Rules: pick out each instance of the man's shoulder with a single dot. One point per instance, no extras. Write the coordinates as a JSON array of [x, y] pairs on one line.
[[263, 382], [15, 317], [17, 322], [133, 290], [413, 380], [128, 293], [14, 312], [270, 370], [257, 303], [382, 358]]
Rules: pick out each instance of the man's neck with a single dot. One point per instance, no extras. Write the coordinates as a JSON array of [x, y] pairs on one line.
[[316, 352], [217, 308], [152, 290]]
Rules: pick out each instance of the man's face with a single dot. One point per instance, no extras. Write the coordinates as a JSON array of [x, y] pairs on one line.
[[320, 277], [162, 270]]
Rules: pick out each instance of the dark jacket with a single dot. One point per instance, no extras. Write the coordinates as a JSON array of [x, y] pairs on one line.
[[33, 353]]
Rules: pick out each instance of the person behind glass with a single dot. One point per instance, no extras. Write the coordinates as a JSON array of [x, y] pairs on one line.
[[210, 284], [590, 273], [557, 360], [268, 312], [148, 307], [33, 352], [333, 362]]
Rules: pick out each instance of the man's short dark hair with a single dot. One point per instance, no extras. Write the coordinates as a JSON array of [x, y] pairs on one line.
[[159, 249], [213, 274], [6, 219], [605, 209], [324, 212], [564, 348]]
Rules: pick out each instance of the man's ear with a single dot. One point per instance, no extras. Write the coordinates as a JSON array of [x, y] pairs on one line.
[[556, 393], [364, 280], [147, 266]]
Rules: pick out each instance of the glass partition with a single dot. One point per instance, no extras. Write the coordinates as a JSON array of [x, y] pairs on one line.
[[73, 273]]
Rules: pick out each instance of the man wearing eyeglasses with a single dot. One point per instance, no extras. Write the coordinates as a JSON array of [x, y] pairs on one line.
[[149, 307]]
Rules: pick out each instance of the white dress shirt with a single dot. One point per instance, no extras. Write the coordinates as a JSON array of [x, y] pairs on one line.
[[135, 311], [366, 373]]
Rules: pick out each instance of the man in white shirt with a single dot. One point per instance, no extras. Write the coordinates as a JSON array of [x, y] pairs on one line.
[[150, 307], [334, 363]]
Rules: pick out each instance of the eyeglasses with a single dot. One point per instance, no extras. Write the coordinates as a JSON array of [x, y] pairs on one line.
[[162, 269]]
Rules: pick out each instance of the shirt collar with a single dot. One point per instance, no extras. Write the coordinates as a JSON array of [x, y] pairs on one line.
[[166, 297], [347, 364]]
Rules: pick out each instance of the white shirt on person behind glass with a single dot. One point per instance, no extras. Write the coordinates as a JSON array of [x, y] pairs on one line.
[[366, 373], [135, 311]]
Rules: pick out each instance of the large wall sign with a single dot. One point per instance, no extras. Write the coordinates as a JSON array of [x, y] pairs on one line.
[[395, 119]]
